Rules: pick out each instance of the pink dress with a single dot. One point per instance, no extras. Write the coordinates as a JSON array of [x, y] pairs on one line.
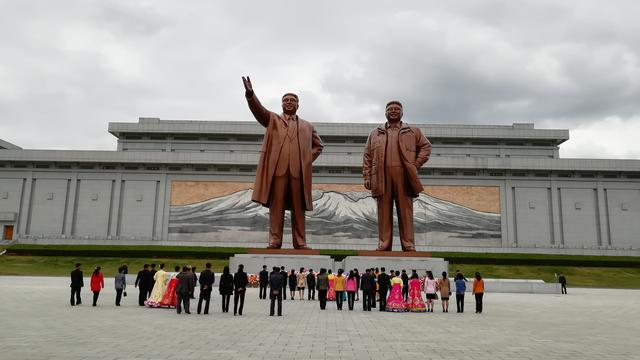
[[395, 302], [331, 293], [414, 301]]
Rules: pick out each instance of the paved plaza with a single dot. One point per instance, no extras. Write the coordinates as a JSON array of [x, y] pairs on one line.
[[38, 323]]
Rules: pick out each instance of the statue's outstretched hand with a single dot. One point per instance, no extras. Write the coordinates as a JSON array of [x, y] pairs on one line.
[[367, 184], [248, 88]]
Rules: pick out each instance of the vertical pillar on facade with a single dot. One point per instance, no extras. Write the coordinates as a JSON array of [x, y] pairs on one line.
[[603, 216], [556, 215], [504, 223], [114, 211], [509, 213], [25, 204], [70, 205], [162, 203]]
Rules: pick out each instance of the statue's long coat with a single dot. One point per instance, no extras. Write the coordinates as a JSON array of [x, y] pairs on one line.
[[275, 133]]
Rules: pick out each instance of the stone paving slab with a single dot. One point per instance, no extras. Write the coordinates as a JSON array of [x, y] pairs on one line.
[[38, 323]]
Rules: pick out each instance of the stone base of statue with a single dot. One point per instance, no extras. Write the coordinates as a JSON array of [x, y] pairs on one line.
[[295, 259], [397, 260], [420, 254], [289, 258], [284, 251]]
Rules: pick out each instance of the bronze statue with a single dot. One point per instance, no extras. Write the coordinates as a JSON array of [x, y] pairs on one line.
[[393, 154], [283, 178]]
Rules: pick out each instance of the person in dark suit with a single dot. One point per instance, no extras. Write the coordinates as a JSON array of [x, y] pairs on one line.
[[264, 281], [152, 281], [293, 281], [374, 286], [384, 283], [563, 283], [376, 294], [322, 284], [275, 294], [77, 282], [367, 285], [240, 281], [207, 279], [357, 274], [405, 284], [195, 280], [285, 278], [311, 283], [142, 283], [226, 288], [183, 289]]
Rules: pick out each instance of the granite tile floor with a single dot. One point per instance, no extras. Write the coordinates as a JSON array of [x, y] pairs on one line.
[[37, 322]]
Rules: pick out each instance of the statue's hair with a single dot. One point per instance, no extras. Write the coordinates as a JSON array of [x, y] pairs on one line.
[[292, 94], [396, 102]]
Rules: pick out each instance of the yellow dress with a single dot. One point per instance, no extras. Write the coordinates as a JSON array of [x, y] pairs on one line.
[[158, 289]]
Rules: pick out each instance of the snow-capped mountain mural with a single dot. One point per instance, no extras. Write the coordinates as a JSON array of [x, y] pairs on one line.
[[337, 215]]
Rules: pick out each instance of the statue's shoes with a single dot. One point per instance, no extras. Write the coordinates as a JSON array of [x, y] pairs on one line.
[[271, 246], [305, 247]]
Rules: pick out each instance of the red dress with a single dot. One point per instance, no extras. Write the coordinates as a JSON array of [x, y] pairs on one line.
[[414, 301], [169, 299]]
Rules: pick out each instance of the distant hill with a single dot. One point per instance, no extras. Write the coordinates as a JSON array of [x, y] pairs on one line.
[[349, 214]]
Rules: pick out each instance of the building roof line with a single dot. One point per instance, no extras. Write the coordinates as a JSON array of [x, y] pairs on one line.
[[326, 160], [7, 145]]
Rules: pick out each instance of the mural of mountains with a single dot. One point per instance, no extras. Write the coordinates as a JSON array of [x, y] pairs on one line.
[[336, 214]]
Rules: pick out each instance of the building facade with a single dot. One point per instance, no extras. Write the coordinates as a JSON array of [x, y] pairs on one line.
[[487, 189]]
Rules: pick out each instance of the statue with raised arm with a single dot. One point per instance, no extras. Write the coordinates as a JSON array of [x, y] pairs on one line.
[[393, 154], [283, 178]]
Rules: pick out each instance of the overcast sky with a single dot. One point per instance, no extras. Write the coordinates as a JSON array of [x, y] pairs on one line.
[[68, 68]]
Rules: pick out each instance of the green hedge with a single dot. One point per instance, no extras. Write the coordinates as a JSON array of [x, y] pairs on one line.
[[195, 252], [191, 252], [338, 255]]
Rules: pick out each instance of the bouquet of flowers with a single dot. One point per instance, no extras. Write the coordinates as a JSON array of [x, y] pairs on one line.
[[253, 280]]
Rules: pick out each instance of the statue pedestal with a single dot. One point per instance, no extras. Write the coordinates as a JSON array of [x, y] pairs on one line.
[[397, 261], [283, 251], [290, 259], [295, 259], [375, 253]]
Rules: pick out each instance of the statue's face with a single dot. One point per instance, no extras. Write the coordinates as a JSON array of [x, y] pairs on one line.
[[289, 104], [394, 113]]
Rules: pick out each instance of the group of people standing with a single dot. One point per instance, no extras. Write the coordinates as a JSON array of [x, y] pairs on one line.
[[158, 288], [395, 291]]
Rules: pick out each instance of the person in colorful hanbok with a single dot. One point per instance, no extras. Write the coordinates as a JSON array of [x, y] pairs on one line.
[[331, 293], [159, 287], [414, 299], [395, 302], [169, 299]]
